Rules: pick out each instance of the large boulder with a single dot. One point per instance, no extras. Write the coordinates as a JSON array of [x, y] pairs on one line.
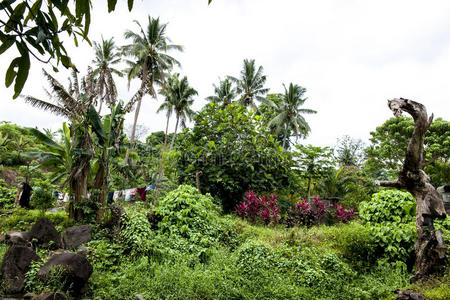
[[17, 237], [75, 236], [78, 270], [45, 233], [408, 295], [50, 296], [15, 265]]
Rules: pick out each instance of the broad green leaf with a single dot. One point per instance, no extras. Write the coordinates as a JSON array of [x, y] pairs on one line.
[[94, 120], [11, 73], [22, 73], [45, 139], [6, 44], [111, 5]]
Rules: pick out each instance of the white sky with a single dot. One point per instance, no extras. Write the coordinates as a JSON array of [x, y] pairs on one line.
[[350, 55]]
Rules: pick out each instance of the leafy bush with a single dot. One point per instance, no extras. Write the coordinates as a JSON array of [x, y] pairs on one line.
[[42, 199], [344, 215], [189, 221], [388, 206], [136, 236], [390, 218], [56, 281], [308, 213], [7, 196], [263, 208], [232, 151]]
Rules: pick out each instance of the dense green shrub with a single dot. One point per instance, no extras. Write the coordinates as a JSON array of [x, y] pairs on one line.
[[389, 206], [232, 151], [136, 235], [7, 196], [42, 200], [189, 221], [22, 219], [390, 218]]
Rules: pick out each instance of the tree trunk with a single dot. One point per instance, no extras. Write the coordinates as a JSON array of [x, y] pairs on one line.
[[161, 169], [285, 136], [133, 131], [308, 193], [429, 249], [100, 106], [175, 133], [79, 190]]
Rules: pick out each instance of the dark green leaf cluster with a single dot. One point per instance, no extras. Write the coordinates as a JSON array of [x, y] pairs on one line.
[[231, 151], [390, 217], [35, 27], [390, 141]]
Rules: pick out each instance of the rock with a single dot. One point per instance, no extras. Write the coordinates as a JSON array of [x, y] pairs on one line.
[[406, 295], [29, 296], [78, 269], [50, 296], [45, 233], [139, 297], [76, 235], [85, 251], [17, 237], [15, 265]]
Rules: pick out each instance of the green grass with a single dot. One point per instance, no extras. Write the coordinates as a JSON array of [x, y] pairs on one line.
[[23, 219], [247, 262]]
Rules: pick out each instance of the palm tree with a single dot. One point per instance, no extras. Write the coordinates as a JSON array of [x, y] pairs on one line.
[[180, 94], [149, 50], [225, 92], [250, 85], [167, 106], [106, 56], [289, 113]]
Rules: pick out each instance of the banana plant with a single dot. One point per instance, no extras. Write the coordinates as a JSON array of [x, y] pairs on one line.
[[58, 157], [108, 144]]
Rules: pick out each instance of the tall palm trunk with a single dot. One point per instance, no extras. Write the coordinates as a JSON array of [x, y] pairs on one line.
[[161, 169], [175, 133], [167, 131], [285, 136], [136, 114], [133, 131]]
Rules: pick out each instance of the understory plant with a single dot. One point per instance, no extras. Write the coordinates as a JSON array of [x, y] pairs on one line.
[[309, 212], [259, 208], [390, 217]]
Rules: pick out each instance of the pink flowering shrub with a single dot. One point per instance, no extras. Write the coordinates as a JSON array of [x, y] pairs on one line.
[[307, 212], [255, 208], [344, 215], [312, 212]]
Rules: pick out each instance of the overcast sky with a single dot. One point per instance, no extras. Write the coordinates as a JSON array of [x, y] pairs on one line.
[[351, 56]]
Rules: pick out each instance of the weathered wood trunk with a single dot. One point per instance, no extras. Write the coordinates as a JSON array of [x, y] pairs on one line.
[[429, 249]]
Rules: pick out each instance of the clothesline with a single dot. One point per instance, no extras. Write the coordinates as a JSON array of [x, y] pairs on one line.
[[129, 193]]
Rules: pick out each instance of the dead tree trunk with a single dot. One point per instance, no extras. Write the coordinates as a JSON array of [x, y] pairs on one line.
[[429, 249]]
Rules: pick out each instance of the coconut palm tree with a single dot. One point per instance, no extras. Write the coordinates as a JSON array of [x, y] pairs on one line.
[[289, 113], [106, 56], [225, 92], [167, 106], [148, 49], [180, 94], [250, 85]]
